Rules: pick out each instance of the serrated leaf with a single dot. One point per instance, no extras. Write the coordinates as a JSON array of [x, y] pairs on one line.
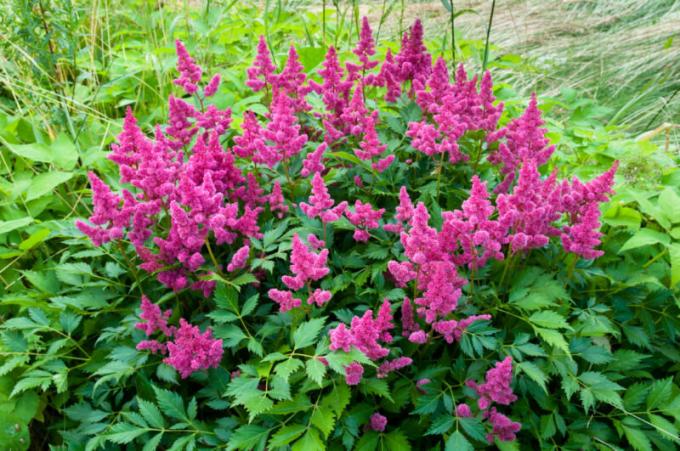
[[637, 439], [122, 433], [338, 399], [309, 441], [152, 445], [323, 418], [170, 403], [247, 437], [458, 442], [151, 413], [316, 370], [669, 201], [306, 334], [288, 367], [660, 392], [377, 387], [550, 320], [396, 441], [664, 427], [635, 395], [535, 373], [554, 338], [286, 434], [440, 425]]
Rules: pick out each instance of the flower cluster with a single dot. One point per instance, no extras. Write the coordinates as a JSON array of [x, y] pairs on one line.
[[307, 267], [187, 348], [196, 191]]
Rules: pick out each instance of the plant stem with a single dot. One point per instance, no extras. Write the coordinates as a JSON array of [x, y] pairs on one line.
[[453, 37], [439, 174], [488, 32]]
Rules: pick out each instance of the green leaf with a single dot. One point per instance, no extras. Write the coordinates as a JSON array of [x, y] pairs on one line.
[[474, 428], [396, 441], [316, 370], [637, 439], [249, 305], [248, 437], [440, 425], [286, 434], [46, 183], [674, 252], [645, 237], [664, 427], [34, 239], [338, 399], [368, 442], [535, 373], [34, 151], [458, 442], [669, 201], [660, 392], [305, 335], [554, 338], [377, 387], [288, 367], [601, 388], [8, 226], [151, 413], [152, 445], [64, 152], [122, 433], [309, 441], [549, 319], [256, 405], [324, 419], [635, 395], [170, 403]]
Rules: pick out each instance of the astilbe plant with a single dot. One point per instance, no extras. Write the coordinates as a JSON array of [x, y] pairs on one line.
[[203, 204]]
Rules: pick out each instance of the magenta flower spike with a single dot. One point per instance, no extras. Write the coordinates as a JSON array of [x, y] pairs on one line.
[[321, 204], [190, 73], [261, 73]]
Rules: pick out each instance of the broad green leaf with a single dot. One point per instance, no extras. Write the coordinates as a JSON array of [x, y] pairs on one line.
[[34, 239], [34, 152], [8, 226], [65, 153], [46, 183], [669, 201], [645, 237]]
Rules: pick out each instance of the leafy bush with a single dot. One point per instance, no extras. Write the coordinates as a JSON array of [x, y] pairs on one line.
[[367, 258]]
